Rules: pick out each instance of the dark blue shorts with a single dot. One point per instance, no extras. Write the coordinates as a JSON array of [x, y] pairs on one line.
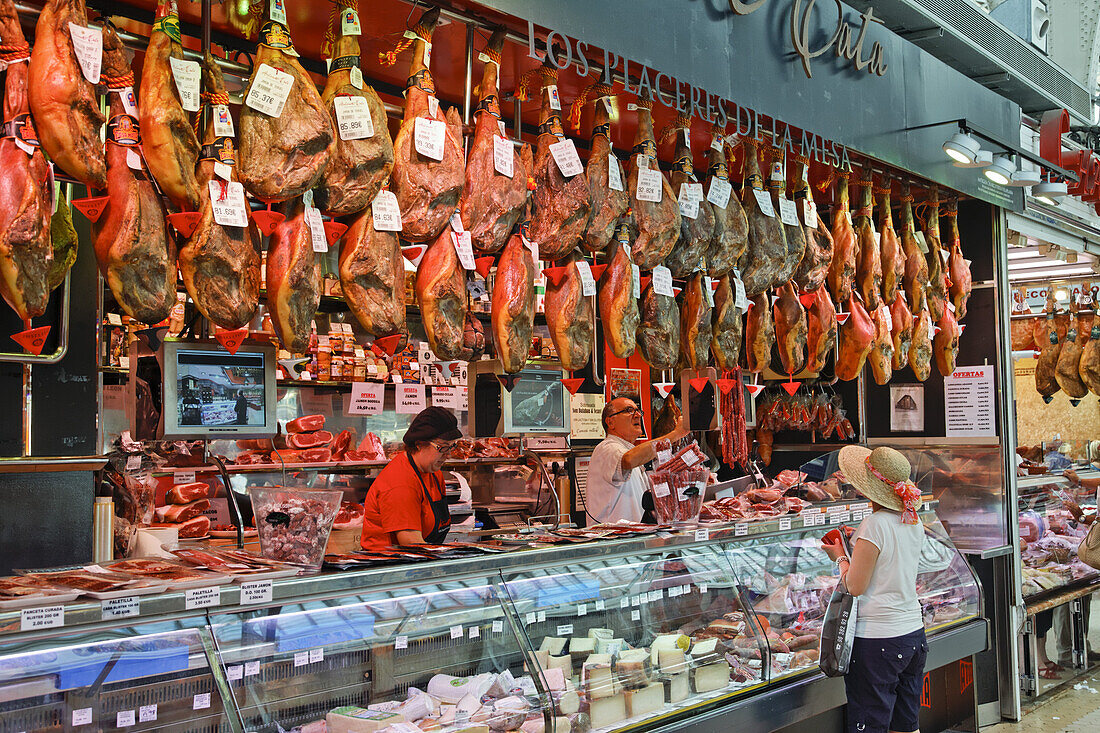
[[884, 683]]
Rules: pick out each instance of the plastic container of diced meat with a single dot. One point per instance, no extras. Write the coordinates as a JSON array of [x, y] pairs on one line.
[[294, 523]]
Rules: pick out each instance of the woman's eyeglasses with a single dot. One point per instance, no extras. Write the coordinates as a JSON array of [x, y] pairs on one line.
[[443, 448]]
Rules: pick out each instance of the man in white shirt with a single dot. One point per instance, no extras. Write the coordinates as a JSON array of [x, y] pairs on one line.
[[616, 479]]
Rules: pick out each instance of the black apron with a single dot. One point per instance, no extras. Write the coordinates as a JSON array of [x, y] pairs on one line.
[[440, 510]]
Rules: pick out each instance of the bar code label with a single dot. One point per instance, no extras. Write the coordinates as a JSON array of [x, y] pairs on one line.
[[269, 90], [353, 118]]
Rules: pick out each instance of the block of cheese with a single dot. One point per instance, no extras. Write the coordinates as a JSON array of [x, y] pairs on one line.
[[668, 642], [553, 644], [564, 663], [600, 633], [610, 646], [645, 700], [354, 719], [582, 645], [538, 725], [419, 705], [543, 658], [607, 710], [633, 668], [566, 701], [710, 677], [677, 687], [402, 728], [598, 679], [446, 688], [671, 661]]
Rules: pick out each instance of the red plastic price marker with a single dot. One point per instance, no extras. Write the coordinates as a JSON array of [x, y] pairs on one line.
[[573, 384], [266, 220], [185, 222], [414, 254], [92, 207], [333, 231], [33, 339], [231, 340], [699, 383], [388, 344], [483, 265]]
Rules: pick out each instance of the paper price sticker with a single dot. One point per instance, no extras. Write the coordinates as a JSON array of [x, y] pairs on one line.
[[565, 629], [708, 293], [278, 12], [660, 490], [256, 591], [120, 608], [465, 249], [349, 23], [664, 456], [719, 192], [784, 523], [637, 272], [269, 90], [588, 283], [533, 247], [223, 121], [356, 77], [788, 212], [147, 713], [316, 655], [649, 185], [662, 281], [200, 701], [741, 530], [614, 173], [689, 207], [228, 204], [234, 672], [542, 616], [764, 202], [601, 605], [624, 603], [251, 669], [386, 212], [82, 716], [88, 45], [555, 100], [702, 535], [635, 615], [186, 74], [565, 155], [43, 617], [809, 214], [301, 659], [428, 137], [498, 627], [401, 642], [223, 171], [503, 158], [457, 632], [531, 617], [353, 118], [202, 597], [316, 229], [475, 632], [582, 609], [703, 587], [740, 298]]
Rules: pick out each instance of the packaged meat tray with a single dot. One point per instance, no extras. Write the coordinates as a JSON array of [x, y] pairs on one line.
[[176, 575], [101, 584], [241, 565], [27, 591]]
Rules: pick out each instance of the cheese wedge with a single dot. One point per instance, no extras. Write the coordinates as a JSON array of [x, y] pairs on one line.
[[710, 677], [633, 668], [606, 711], [354, 719], [645, 700], [677, 687], [553, 644]]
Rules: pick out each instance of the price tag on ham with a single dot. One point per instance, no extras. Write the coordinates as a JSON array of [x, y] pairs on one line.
[[353, 118], [356, 77], [708, 292], [614, 173], [316, 229], [269, 90], [565, 155], [386, 212], [223, 121], [662, 281], [88, 45], [764, 202], [228, 204], [637, 272], [503, 159], [278, 11], [719, 192], [465, 249], [428, 137], [740, 298], [133, 159], [788, 212], [649, 185], [689, 206], [186, 74], [555, 99], [809, 214], [588, 283], [349, 23], [223, 171]]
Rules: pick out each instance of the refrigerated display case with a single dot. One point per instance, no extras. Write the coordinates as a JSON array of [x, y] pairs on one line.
[[1050, 512]]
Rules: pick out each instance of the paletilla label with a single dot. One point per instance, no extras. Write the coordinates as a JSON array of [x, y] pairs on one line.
[[421, 80], [275, 35], [490, 104], [21, 128], [222, 150], [170, 25], [124, 130]]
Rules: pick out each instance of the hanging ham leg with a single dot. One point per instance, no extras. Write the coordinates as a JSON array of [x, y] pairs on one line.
[[441, 295], [372, 276], [1046, 380], [284, 155], [937, 276], [695, 324], [618, 306], [1067, 371], [759, 334], [655, 224], [958, 269], [920, 350], [26, 253], [293, 279], [945, 344], [857, 337], [513, 311], [881, 357], [810, 274], [608, 204], [794, 234], [168, 141], [569, 316], [731, 226], [791, 329], [728, 327], [1089, 366], [561, 204], [821, 331], [893, 259], [901, 330], [842, 269], [63, 103], [492, 202], [696, 232], [220, 264], [916, 266], [360, 163], [765, 258], [659, 330], [869, 258], [136, 254]]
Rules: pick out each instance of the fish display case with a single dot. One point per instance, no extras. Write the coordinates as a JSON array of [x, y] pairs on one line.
[[651, 632]]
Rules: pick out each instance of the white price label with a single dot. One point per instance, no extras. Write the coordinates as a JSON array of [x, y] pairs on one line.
[[660, 490], [655, 596], [429, 136], [565, 155], [184, 477], [708, 293], [43, 617], [202, 597], [82, 716], [316, 229], [278, 12], [465, 249], [582, 609], [114, 319], [531, 617], [120, 608], [301, 659], [228, 203], [200, 701], [269, 90], [533, 247], [186, 74], [740, 298], [809, 214], [133, 159], [251, 669], [124, 362], [386, 212], [349, 23], [624, 603], [498, 627], [133, 462], [353, 118], [741, 530], [702, 535], [503, 157], [356, 77], [719, 192], [784, 523], [223, 121], [256, 591], [664, 456], [689, 206], [456, 632], [614, 173], [401, 642], [565, 629], [542, 616], [148, 713], [788, 212], [662, 281], [316, 655], [764, 202], [703, 587], [637, 277], [88, 45], [234, 672], [588, 283], [475, 632], [649, 186], [601, 605], [223, 171], [555, 100], [125, 718]]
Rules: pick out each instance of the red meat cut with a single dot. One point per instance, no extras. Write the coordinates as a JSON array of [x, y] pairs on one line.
[[300, 441], [186, 493], [306, 424], [194, 528], [181, 512]]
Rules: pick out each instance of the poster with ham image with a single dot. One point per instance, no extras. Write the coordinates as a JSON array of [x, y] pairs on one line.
[[536, 404]]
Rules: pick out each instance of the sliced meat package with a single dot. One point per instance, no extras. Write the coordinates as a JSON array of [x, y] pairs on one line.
[[570, 318], [655, 213], [293, 279], [697, 221], [513, 310]]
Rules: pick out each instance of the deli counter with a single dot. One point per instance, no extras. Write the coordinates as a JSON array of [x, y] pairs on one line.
[[654, 632]]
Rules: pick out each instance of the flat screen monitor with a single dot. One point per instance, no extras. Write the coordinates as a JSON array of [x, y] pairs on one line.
[[538, 403], [211, 393]]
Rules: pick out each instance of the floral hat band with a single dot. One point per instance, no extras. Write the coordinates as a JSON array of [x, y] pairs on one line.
[[906, 490]]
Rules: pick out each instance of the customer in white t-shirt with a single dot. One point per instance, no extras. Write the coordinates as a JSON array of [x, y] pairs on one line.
[[616, 479], [886, 672]]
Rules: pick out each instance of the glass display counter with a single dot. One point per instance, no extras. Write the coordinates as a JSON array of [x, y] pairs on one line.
[[1051, 514]]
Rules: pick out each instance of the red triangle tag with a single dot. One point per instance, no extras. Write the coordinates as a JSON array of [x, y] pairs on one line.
[[842, 317], [754, 389], [414, 254], [185, 222], [573, 384], [676, 290], [751, 304], [714, 283], [483, 265], [333, 231], [554, 275], [388, 344], [508, 380], [791, 387], [727, 385], [807, 299], [231, 340], [664, 388], [699, 383], [936, 330], [266, 220], [597, 270], [33, 339], [92, 207], [643, 282]]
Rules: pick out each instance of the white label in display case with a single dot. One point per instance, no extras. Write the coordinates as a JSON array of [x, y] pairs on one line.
[[43, 617], [234, 672], [200, 701], [456, 632], [125, 718], [256, 591], [624, 602], [474, 632], [582, 609], [498, 627], [740, 530], [301, 659], [120, 607], [148, 713], [82, 716], [702, 535], [401, 642], [202, 597], [316, 655], [565, 629], [784, 523], [251, 669], [542, 616], [411, 398], [601, 605], [635, 615], [531, 617]]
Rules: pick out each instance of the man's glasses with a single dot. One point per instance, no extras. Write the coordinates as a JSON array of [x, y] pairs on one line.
[[632, 410]]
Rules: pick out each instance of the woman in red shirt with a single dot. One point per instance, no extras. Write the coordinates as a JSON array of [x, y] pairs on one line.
[[406, 504]]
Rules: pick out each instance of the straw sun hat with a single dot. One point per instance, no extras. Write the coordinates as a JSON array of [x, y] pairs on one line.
[[882, 475]]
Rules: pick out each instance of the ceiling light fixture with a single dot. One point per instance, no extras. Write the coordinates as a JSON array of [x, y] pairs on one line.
[[981, 160], [1001, 170], [961, 147], [1049, 192], [1024, 178]]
